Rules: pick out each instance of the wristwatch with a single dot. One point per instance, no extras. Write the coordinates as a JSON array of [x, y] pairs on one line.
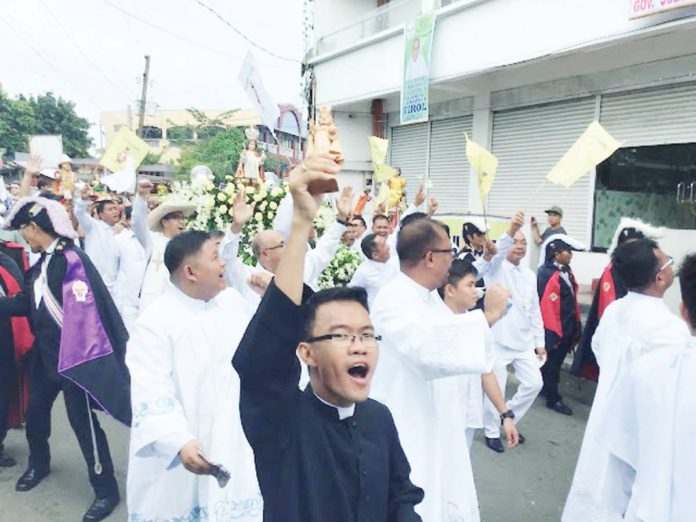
[[507, 415]]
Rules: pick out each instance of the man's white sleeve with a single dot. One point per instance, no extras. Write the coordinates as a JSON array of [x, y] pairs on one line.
[[490, 268], [317, 259], [236, 272], [439, 345], [85, 220], [159, 423], [140, 228]]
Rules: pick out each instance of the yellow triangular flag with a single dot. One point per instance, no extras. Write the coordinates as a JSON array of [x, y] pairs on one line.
[[594, 146], [378, 149], [485, 164], [384, 173]]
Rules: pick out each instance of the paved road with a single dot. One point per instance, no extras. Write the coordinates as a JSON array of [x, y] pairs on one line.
[[528, 484]]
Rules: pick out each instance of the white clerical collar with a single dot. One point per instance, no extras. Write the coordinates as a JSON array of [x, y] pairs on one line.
[[198, 304], [343, 413]]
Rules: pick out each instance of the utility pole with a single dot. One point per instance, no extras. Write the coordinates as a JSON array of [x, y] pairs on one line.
[[143, 98]]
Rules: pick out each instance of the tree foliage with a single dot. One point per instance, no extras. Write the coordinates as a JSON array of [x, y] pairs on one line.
[[44, 114], [220, 153]]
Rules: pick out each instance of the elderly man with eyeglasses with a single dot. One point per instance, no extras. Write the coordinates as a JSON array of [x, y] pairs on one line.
[[631, 327], [268, 247]]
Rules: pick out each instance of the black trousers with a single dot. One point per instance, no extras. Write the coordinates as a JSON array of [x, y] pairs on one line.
[[6, 370], [43, 392], [551, 371]]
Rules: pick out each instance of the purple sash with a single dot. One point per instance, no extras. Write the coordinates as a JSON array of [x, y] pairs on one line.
[[83, 337]]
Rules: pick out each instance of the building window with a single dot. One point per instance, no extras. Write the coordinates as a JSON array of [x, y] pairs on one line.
[[178, 135], [643, 182], [152, 133]]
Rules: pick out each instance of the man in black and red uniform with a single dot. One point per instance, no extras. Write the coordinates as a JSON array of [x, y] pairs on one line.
[[558, 300], [16, 340], [609, 289]]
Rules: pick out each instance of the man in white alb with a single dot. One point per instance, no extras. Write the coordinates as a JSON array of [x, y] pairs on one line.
[[630, 328], [649, 429], [154, 230], [185, 396], [420, 346]]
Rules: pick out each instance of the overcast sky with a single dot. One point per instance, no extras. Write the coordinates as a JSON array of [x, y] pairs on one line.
[[92, 53]]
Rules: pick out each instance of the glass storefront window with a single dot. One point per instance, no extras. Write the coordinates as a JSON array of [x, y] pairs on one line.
[[643, 182]]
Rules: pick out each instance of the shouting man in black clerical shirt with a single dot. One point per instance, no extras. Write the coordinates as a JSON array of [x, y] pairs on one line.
[[328, 452]]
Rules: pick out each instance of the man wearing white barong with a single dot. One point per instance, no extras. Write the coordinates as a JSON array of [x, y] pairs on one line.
[[519, 338], [649, 432], [631, 327], [185, 396], [421, 347], [154, 230], [376, 270]]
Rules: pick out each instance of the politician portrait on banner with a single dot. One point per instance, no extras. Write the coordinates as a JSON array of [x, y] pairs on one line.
[[418, 38]]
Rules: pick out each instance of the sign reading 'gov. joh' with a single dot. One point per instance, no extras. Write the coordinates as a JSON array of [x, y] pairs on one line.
[[641, 8], [418, 40]]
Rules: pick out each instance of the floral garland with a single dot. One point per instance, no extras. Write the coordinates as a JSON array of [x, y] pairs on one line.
[[214, 208], [341, 269]]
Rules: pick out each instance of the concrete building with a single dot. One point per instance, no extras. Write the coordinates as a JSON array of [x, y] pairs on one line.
[[166, 131], [525, 79]]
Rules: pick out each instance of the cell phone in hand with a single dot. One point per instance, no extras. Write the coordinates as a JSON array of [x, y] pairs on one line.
[[218, 470]]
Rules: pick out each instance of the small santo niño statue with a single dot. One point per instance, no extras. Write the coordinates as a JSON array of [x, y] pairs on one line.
[[250, 169], [397, 184], [65, 182], [323, 139]]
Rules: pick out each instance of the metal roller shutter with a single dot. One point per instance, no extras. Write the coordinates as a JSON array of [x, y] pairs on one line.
[[449, 169], [408, 150], [652, 116], [528, 142]]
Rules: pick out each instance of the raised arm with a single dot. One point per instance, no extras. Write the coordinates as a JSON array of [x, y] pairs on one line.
[[319, 258], [140, 228], [489, 264], [265, 360], [32, 169], [85, 220]]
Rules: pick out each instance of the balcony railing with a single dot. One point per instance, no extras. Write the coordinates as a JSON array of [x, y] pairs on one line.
[[393, 14], [154, 144]]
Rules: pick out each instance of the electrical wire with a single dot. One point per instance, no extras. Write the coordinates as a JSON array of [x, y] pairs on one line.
[[94, 65], [228, 24], [50, 64], [183, 38]]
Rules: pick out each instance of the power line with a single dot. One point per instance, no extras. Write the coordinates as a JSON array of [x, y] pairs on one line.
[[94, 65], [228, 24], [182, 38], [50, 64]]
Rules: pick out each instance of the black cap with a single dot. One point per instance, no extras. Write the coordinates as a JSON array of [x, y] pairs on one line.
[[555, 246]]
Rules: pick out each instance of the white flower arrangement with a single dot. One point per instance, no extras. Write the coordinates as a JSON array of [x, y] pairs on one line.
[[214, 208], [341, 268]]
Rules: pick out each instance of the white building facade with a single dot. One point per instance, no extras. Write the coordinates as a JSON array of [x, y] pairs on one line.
[[525, 78]]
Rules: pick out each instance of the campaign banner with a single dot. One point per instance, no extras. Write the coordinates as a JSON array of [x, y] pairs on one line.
[[640, 8], [418, 40]]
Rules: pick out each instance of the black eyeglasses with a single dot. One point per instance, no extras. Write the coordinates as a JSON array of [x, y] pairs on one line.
[[443, 251], [345, 340]]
